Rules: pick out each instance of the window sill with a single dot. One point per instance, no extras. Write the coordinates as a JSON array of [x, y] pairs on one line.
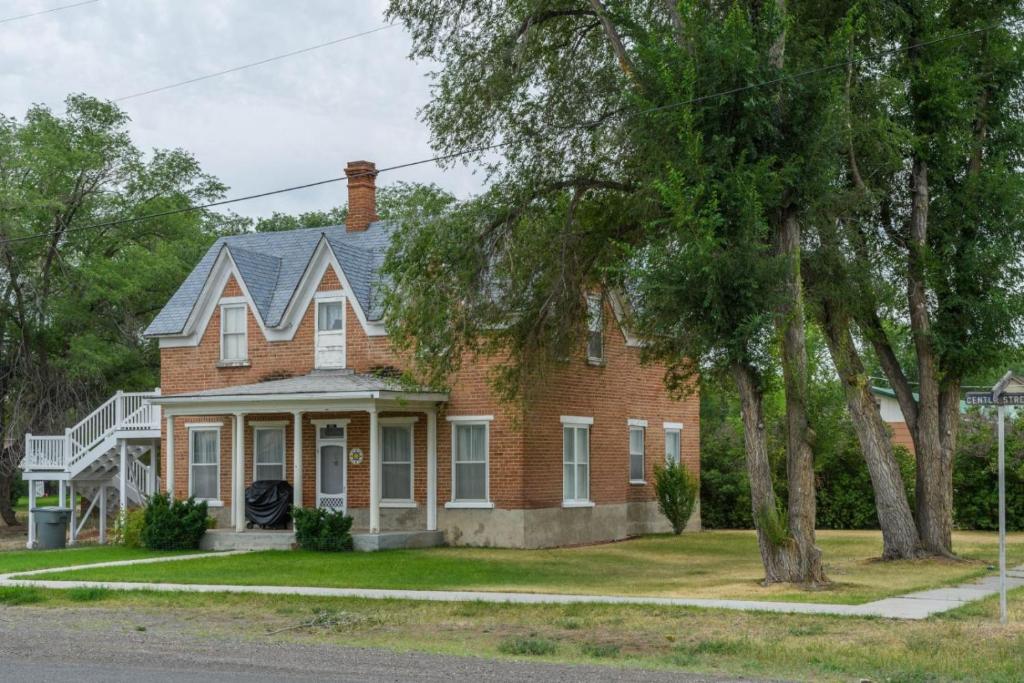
[[232, 363], [638, 482], [577, 503], [210, 502], [597, 362], [398, 504], [469, 505]]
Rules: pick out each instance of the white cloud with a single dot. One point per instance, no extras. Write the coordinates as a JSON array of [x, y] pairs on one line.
[[279, 124]]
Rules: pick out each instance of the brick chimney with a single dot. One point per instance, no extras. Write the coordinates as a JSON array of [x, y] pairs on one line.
[[362, 195]]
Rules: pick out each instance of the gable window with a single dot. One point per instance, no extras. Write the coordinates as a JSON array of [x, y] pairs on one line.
[[396, 449], [233, 338], [330, 331], [576, 461], [673, 436], [204, 463], [595, 329], [268, 453], [636, 451]]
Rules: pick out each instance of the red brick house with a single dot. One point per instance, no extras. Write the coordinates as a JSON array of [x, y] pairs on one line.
[[272, 354]]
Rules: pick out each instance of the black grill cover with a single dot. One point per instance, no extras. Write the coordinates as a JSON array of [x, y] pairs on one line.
[[267, 503]]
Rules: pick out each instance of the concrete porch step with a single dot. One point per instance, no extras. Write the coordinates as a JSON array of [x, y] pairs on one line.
[[251, 539]]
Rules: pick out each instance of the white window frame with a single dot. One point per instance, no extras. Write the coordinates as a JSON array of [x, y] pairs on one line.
[[233, 303], [575, 423], [271, 427], [470, 421], [410, 424], [204, 427], [677, 429], [595, 299], [324, 298], [641, 426]]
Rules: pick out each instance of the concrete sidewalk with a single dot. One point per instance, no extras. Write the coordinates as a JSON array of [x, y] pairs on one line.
[[919, 605]]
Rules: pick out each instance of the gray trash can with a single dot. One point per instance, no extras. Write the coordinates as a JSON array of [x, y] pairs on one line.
[[51, 527]]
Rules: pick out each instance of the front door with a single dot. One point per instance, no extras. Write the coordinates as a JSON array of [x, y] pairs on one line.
[[330, 467]]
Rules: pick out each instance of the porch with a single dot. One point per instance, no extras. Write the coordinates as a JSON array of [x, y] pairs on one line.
[[359, 443]]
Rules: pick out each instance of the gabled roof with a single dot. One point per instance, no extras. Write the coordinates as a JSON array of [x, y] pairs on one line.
[[271, 266]]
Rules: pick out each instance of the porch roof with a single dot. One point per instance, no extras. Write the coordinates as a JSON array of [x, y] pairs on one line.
[[319, 385]]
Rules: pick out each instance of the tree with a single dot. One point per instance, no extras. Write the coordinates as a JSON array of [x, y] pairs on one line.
[[74, 299], [588, 193], [935, 134]]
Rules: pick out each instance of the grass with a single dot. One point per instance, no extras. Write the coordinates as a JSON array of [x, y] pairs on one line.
[[41, 501], [27, 560], [964, 645], [719, 564]]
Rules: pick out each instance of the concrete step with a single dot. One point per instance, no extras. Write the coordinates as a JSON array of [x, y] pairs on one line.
[[250, 539]]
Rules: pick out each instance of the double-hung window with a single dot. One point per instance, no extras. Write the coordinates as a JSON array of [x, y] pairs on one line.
[[469, 460], [595, 329], [636, 451], [233, 342], [268, 453], [204, 463], [576, 460], [673, 437], [396, 449], [330, 331]]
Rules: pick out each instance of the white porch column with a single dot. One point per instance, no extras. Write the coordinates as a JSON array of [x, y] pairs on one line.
[[432, 469], [103, 514], [374, 472], [73, 535], [61, 494], [123, 477], [31, 515], [169, 471], [297, 459], [238, 474], [154, 458]]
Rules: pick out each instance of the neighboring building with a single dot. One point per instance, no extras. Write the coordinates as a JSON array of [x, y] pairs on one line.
[[892, 415], [275, 364]]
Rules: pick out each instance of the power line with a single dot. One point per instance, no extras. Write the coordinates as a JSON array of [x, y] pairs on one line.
[[47, 11], [485, 148], [260, 62]]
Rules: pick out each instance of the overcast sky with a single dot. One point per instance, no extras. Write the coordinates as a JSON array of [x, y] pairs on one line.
[[279, 124]]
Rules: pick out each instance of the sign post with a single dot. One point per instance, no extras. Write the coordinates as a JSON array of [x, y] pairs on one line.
[[1001, 396]]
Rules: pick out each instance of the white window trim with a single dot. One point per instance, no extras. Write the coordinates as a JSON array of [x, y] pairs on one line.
[[341, 422], [576, 423], [235, 302], [408, 422], [329, 297], [269, 423], [470, 418], [485, 502], [673, 428], [201, 427], [635, 424], [271, 427]]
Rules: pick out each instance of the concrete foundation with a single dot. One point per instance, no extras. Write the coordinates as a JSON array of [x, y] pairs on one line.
[[254, 539], [397, 540]]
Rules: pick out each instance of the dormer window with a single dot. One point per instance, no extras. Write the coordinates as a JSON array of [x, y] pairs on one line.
[[595, 329], [330, 331], [233, 337]]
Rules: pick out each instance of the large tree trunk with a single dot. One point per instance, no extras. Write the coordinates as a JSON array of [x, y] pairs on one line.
[[900, 539], [778, 552], [799, 437], [6, 508]]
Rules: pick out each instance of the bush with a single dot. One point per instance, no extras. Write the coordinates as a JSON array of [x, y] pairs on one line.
[[128, 528], [676, 490], [975, 474], [323, 530], [533, 646], [176, 525]]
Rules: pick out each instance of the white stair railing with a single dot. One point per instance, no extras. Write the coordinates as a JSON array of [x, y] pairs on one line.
[[138, 476], [124, 411]]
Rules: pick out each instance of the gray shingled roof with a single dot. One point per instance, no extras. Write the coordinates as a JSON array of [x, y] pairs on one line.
[[271, 265], [316, 382]]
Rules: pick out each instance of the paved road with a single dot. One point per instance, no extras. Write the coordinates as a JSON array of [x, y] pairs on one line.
[[90, 646]]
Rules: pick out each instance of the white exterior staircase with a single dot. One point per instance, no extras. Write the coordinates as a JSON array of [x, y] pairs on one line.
[[109, 458]]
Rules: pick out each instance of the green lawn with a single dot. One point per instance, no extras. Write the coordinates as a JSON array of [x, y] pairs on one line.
[[719, 564], [41, 501], [27, 560]]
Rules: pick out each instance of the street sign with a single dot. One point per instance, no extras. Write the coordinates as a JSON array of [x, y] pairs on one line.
[[986, 398], [1002, 396]]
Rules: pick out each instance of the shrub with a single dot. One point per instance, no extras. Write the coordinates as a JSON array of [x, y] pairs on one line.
[[975, 474], [128, 528], [176, 525], [676, 490], [323, 530]]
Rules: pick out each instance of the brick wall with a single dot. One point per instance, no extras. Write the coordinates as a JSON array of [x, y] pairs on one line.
[[525, 444]]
